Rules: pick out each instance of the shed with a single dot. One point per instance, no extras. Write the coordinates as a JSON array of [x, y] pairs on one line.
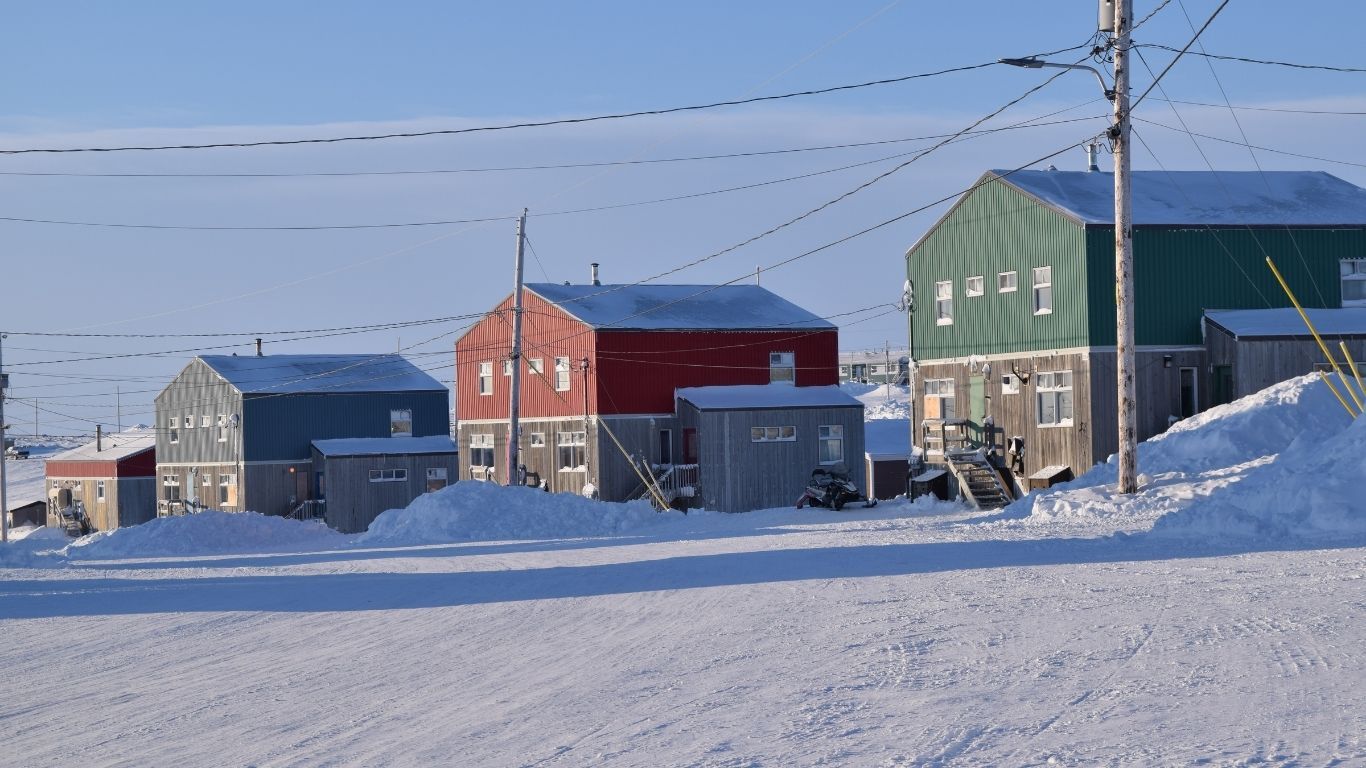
[[755, 445], [32, 513], [359, 478], [1251, 349], [887, 457], [112, 479]]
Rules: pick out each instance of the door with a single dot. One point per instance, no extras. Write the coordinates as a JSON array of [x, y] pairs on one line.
[[689, 446], [1223, 384], [666, 446], [1190, 393]]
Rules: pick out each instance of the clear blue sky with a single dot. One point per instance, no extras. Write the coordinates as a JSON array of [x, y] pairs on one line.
[[99, 73]]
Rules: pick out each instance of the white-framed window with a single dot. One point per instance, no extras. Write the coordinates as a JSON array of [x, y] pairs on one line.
[[1010, 384], [773, 434], [99, 491], [974, 286], [388, 475], [171, 483], [1043, 290], [173, 429], [206, 479], [572, 448], [507, 367], [1007, 282], [943, 303], [939, 399], [205, 421], [1053, 393], [485, 386], [561, 374], [831, 443], [222, 428], [481, 450], [401, 422], [537, 439], [782, 368], [56, 484], [1353, 273], [535, 366], [189, 422], [436, 478]]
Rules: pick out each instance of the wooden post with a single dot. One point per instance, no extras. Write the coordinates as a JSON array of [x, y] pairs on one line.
[[514, 397], [587, 458], [4, 498], [1124, 259]]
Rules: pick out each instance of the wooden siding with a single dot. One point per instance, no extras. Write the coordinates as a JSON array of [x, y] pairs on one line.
[[1259, 363], [127, 501], [272, 489], [192, 484], [738, 475], [197, 391], [615, 479], [542, 460], [353, 501], [1157, 390], [993, 229]]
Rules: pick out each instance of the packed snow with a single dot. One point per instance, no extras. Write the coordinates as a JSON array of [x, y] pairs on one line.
[[1214, 618]]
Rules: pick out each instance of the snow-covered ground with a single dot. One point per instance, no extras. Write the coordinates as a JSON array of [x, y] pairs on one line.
[[1217, 618]]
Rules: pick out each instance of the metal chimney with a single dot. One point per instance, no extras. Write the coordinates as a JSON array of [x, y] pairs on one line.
[[99, 438], [258, 348], [594, 265], [1091, 157]]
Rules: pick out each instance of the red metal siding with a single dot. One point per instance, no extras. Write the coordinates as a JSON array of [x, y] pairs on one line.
[[143, 464], [140, 464], [639, 370]]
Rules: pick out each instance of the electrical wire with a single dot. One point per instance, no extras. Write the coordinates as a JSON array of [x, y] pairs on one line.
[[1257, 147], [1247, 60], [1283, 110]]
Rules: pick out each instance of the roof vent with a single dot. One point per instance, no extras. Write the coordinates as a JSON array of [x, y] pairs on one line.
[[594, 266]]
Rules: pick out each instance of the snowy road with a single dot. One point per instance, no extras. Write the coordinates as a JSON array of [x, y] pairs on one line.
[[872, 639]]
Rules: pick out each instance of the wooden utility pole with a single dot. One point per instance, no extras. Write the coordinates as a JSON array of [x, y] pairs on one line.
[[1124, 257], [4, 498], [514, 404], [587, 467]]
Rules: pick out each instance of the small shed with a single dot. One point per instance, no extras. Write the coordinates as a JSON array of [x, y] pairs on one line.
[[755, 445], [32, 513], [111, 478], [887, 457], [1251, 349], [358, 478]]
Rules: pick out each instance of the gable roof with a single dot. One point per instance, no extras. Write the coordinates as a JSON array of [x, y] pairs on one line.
[[1203, 198], [117, 446], [761, 396], [1285, 322], [295, 374], [678, 307]]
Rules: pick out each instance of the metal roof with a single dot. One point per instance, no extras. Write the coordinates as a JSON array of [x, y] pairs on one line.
[[1202, 198], [678, 307], [295, 374], [385, 446], [116, 446], [1285, 322], [757, 396]]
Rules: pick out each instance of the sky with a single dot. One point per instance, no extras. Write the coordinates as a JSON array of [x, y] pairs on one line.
[[136, 73]]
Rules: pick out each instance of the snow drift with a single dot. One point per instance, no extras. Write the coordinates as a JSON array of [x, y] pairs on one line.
[[206, 533]]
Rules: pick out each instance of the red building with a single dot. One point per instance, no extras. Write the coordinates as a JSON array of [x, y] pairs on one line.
[[110, 482], [606, 360]]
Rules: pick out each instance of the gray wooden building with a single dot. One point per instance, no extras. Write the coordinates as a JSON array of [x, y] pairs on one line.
[[1249, 350], [755, 446], [359, 478], [110, 480], [235, 433]]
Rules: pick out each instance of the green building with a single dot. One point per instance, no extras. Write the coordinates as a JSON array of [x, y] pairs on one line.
[[1014, 324]]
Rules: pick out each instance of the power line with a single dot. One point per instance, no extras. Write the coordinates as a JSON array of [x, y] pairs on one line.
[[1286, 110], [249, 334], [1177, 57], [1247, 60], [1257, 147]]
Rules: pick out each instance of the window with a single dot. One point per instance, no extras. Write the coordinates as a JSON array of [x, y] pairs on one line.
[[974, 286], [206, 479], [172, 485], [401, 423], [507, 367], [222, 428], [1010, 384], [571, 447], [55, 484], [173, 429], [189, 422], [205, 421], [481, 450], [943, 303], [535, 366], [831, 444], [1007, 282], [1054, 394], [486, 378], [1043, 290], [537, 439], [1353, 282], [666, 446], [227, 489], [99, 491], [388, 475], [939, 400], [436, 478], [773, 434], [561, 374], [782, 367]]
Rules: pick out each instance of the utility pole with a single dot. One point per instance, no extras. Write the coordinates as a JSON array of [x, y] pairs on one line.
[[588, 469], [514, 404], [118, 408], [887, 369], [4, 498], [1124, 257]]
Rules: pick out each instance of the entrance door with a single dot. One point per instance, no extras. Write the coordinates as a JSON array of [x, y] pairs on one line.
[[666, 446], [1190, 393], [689, 446], [1223, 384]]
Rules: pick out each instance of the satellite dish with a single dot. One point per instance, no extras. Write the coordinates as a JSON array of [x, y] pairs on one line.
[[234, 419], [907, 297]]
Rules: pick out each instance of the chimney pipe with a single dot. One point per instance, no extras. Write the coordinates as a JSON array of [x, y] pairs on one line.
[[258, 348], [1091, 157], [99, 438], [594, 265]]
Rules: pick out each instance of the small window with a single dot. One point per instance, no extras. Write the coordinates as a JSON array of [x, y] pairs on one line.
[[55, 484], [401, 423], [782, 367], [572, 449], [1010, 384], [1043, 290], [481, 450], [1353, 273], [388, 475], [773, 434], [99, 491], [939, 399], [205, 421], [507, 367], [943, 303], [222, 428], [436, 478], [974, 286], [485, 385], [535, 366], [1053, 393], [171, 484], [831, 444], [561, 374], [1007, 282], [189, 422], [174, 429], [206, 479], [537, 439]]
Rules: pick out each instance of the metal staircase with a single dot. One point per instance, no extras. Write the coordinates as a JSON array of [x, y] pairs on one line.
[[978, 480], [674, 482]]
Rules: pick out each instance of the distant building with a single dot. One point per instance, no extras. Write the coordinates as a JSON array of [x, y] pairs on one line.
[[112, 480], [361, 477], [875, 366], [236, 433]]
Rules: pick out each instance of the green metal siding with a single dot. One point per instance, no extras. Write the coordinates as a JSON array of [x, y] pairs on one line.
[[994, 229], [1179, 273]]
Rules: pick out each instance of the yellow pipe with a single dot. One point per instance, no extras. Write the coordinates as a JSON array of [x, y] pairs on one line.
[[648, 483], [1338, 395], [1347, 355], [1331, 360]]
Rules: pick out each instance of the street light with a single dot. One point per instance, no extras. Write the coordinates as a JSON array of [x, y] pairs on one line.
[[1033, 63]]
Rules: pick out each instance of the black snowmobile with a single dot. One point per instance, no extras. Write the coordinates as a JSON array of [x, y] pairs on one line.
[[830, 487]]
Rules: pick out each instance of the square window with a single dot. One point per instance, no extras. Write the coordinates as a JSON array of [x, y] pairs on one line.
[[782, 368], [535, 366], [1007, 282], [205, 421], [1010, 384], [401, 422], [1353, 272], [1053, 396], [974, 286], [537, 439], [189, 422]]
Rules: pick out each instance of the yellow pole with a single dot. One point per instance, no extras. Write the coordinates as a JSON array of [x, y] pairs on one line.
[[1331, 360], [648, 483], [1347, 355]]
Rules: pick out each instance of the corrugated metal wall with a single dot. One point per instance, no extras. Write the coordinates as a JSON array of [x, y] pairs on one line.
[[277, 428], [996, 229], [197, 392], [353, 502]]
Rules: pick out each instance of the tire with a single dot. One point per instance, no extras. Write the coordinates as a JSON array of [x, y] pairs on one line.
[[838, 503]]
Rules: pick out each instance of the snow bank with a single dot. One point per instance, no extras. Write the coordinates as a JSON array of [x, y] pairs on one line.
[[471, 510], [33, 547], [206, 533]]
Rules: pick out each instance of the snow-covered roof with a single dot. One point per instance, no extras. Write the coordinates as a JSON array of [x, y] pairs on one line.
[[116, 446], [294, 374], [678, 307], [1285, 322], [753, 396], [385, 446], [1213, 198]]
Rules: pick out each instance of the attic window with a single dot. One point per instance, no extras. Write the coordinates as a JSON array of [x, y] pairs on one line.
[[1353, 273], [401, 423], [782, 368]]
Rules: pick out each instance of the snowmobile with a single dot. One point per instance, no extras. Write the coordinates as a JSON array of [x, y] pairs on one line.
[[831, 487]]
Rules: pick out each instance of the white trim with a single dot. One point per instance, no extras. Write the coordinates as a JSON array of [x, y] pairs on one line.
[[1042, 353]]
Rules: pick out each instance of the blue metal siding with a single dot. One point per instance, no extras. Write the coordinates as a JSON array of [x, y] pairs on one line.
[[278, 428]]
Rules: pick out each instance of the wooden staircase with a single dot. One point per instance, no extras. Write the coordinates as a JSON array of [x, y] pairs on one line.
[[978, 480]]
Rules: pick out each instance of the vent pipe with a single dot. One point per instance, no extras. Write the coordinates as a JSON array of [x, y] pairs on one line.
[[1106, 16], [594, 266], [99, 438], [1091, 157], [258, 348]]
